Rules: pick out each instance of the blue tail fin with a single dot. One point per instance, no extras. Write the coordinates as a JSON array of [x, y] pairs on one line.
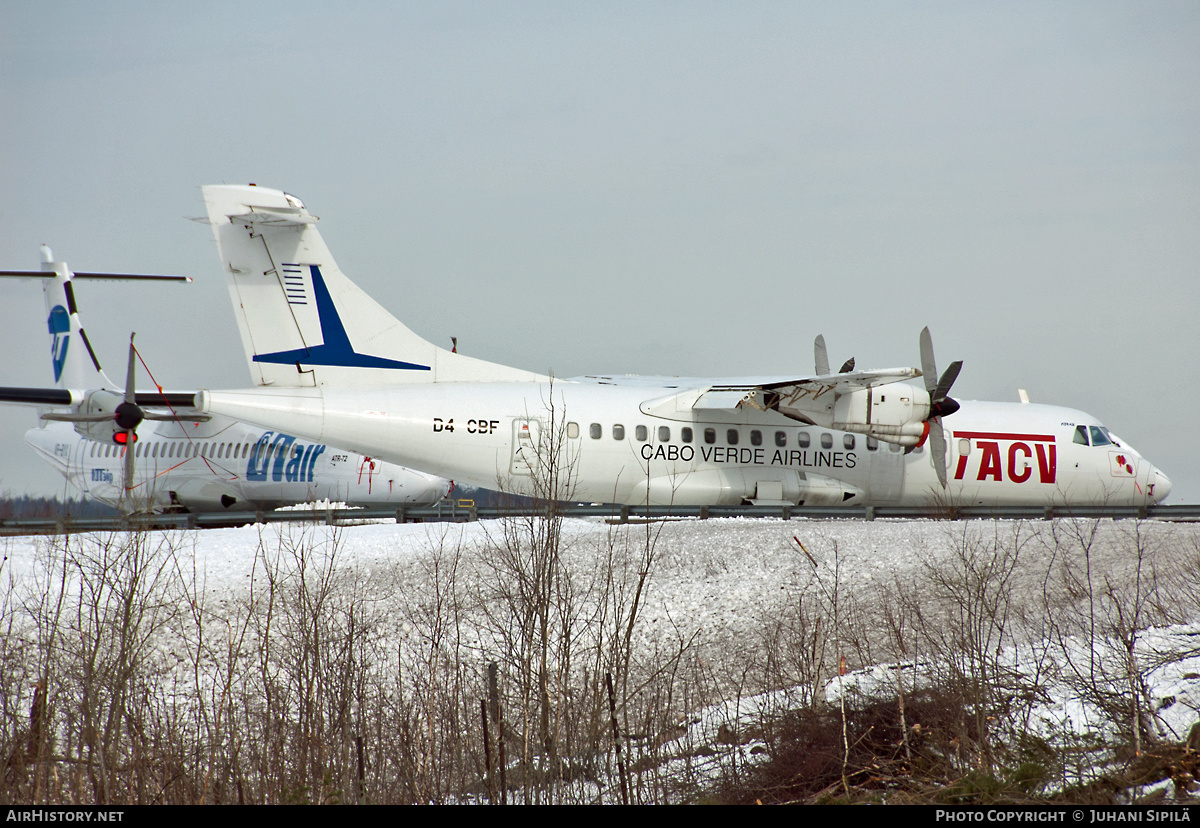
[[72, 358]]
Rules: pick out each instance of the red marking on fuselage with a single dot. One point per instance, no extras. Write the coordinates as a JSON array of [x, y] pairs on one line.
[[367, 466], [1004, 435], [991, 462]]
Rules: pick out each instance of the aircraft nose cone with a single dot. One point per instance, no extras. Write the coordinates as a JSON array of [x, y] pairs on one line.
[[1162, 485]]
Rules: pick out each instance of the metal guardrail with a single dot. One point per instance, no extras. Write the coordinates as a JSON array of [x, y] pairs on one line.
[[451, 512]]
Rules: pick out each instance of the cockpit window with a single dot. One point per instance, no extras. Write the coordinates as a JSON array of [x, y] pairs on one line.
[[1099, 438], [1112, 437], [1081, 435]]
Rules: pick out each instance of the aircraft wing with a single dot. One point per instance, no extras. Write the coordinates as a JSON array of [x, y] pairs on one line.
[[53, 397], [807, 399], [810, 400], [63, 397], [849, 380], [815, 386]]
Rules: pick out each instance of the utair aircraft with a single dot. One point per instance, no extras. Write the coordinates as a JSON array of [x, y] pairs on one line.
[[332, 365], [199, 464]]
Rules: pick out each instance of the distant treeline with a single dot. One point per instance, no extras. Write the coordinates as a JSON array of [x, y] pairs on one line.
[[51, 507]]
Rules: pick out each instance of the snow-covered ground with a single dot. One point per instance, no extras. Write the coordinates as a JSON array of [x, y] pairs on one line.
[[1068, 604]]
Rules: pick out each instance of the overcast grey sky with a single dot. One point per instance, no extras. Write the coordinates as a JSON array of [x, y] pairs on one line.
[[675, 188]]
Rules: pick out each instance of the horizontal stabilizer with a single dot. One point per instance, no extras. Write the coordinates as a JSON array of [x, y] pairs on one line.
[[275, 217]]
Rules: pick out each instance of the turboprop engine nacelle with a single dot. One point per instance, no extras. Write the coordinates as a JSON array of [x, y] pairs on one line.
[[890, 413], [98, 403]]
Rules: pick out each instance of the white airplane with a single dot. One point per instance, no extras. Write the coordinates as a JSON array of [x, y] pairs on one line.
[[200, 464], [331, 364]]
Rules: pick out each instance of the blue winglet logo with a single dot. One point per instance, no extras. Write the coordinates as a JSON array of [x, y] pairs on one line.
[[60, 328], [336, 348]]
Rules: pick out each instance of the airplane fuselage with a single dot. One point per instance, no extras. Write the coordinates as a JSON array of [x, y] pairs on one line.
[[331, 364], [223, 466], [642, 443]]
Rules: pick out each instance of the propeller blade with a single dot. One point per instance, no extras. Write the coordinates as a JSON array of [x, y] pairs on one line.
[[937, 448], [847, 366], [129, 416], [940, 404], [822, 356], [67, 417], [130, 452], [129, 413], [947, 379], [928, 366], [131, 374]]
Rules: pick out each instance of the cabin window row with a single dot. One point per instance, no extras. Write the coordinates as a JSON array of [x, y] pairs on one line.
[[732, 436], [180, 450]]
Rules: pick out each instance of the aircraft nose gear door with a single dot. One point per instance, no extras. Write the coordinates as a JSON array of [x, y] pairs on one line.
[[526, 444]]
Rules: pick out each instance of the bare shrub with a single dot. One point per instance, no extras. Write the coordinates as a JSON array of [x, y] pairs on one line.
[[95, 613], [1122, 581], [967, 618]]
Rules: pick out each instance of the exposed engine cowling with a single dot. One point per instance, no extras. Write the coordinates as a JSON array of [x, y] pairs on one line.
[[100, 403], [891, 413]]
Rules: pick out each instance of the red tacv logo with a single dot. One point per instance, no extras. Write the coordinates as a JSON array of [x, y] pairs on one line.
[[1014, 461]]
